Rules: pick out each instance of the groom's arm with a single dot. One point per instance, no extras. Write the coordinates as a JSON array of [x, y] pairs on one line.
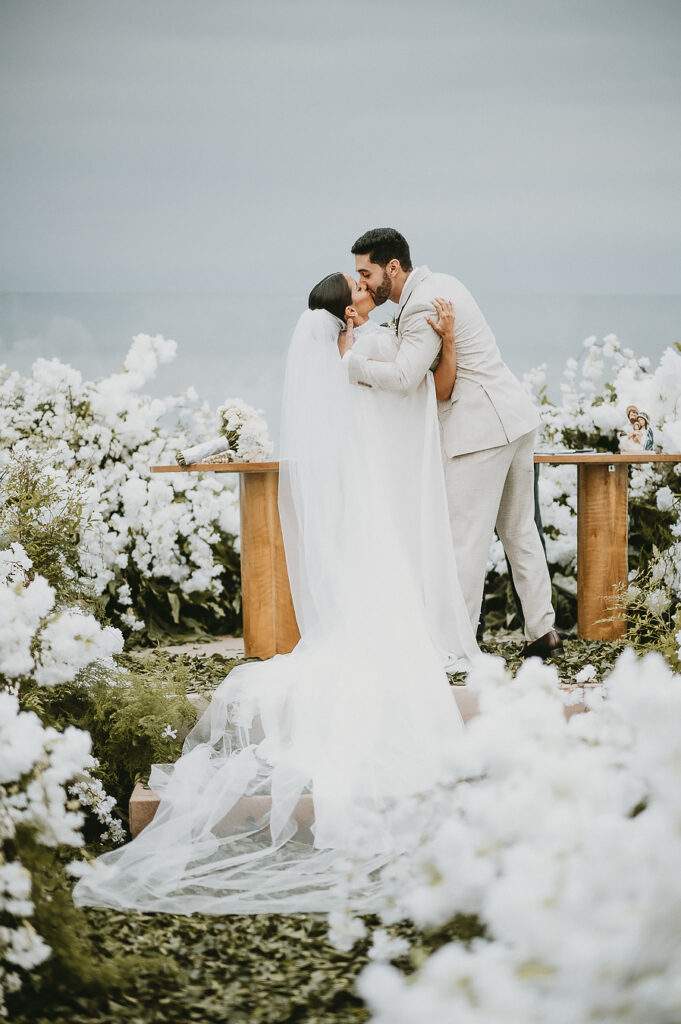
[[419, 346]]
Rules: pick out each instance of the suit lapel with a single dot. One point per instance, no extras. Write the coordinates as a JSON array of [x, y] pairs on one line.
[[419, 274]]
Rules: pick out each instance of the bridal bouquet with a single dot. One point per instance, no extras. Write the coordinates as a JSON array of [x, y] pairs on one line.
[[243, 437]]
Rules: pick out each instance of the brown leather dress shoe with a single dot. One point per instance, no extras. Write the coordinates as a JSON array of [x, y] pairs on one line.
[[544, 647]]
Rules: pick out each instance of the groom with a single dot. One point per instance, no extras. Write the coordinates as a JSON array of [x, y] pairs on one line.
[[488, 428]]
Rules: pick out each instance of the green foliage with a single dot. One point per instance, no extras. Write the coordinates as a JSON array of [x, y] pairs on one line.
[[501, 613], [252, 969], [47, 521], [650, 628], [574, 655], [649, 527], [168, 613], [76, 963], [576, 439], [125, 713]]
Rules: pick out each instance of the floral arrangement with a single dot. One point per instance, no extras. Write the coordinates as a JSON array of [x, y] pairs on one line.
[[161, 550], [243, 437], [563, 838], [591, 414], [245, 429]]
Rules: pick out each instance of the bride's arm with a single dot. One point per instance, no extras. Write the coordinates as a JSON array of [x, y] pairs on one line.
[[445, 372], [346, 338]]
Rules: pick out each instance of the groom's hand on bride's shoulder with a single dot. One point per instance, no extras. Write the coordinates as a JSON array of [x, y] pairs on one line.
[[444, 325]]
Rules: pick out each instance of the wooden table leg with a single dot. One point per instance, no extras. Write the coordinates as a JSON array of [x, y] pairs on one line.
[[602, 542], [270, 625]]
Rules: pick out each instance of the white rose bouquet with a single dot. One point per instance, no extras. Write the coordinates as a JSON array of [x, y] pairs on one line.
[[246, 431], [243, 437]]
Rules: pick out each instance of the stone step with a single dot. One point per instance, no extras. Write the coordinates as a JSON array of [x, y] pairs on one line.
[[144, 801]]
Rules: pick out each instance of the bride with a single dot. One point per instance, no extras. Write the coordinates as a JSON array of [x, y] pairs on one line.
[[286, 776]]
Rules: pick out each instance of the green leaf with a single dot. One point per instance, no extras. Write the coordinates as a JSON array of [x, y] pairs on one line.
[[174, 602]]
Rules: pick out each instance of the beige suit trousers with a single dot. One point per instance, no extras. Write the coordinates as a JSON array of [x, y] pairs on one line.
[[492, 489]]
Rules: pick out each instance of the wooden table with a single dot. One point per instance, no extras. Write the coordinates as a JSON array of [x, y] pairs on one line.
[[269, 619], [602, 535]]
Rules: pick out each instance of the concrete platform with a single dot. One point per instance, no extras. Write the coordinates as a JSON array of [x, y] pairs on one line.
[[144, 801]]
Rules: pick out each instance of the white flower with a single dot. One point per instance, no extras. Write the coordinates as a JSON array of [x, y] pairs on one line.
[[345, 930], [169, 732], [517, 838], [22, 608], [26, 949], [36, 766], [21, 739], [130, 620], [91, 794], [665, 499], [70, 642], [586, 674], [658, 601], [386, 947], [246, 430], [14, 563]]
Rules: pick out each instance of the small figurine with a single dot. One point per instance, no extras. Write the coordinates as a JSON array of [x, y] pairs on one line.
[[639, 437], [643, 423]]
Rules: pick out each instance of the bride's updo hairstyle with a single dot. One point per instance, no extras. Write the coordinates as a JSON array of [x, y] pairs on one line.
[[332, 294]]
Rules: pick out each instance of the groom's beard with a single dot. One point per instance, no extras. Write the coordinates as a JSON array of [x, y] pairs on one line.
[[382, 293]]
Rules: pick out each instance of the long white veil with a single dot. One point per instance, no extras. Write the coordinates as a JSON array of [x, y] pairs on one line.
[[294, 760]]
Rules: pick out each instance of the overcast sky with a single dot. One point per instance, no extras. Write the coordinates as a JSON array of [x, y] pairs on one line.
[[524, 145]]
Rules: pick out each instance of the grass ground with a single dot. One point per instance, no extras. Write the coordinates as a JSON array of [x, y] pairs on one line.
[[263, 969]]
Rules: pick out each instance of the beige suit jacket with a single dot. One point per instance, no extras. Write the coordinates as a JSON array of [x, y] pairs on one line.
[[489, 406]]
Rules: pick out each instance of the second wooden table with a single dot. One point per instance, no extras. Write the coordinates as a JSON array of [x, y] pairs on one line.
[[602, 535]]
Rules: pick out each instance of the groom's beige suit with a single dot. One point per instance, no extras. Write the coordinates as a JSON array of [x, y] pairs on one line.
[[487, 429]]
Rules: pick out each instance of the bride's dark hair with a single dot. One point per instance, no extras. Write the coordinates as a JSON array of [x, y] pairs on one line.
[[332, 293]]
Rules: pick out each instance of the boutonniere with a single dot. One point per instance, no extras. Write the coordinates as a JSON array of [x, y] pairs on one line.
[[392, 324]]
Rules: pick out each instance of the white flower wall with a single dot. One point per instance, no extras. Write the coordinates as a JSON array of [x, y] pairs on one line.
[[160, 543]]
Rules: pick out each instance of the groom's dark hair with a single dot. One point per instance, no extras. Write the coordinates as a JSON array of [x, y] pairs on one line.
[[382, 245]]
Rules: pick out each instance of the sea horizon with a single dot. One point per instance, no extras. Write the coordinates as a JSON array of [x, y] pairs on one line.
[[233, 344]]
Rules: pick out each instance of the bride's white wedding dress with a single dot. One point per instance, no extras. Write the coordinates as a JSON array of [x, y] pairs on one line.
[[291, 766]]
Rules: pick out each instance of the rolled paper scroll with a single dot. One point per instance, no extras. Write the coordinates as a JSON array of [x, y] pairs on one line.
[[199, 452]]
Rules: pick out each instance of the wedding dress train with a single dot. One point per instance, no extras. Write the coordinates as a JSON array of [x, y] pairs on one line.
[[284, 780]]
